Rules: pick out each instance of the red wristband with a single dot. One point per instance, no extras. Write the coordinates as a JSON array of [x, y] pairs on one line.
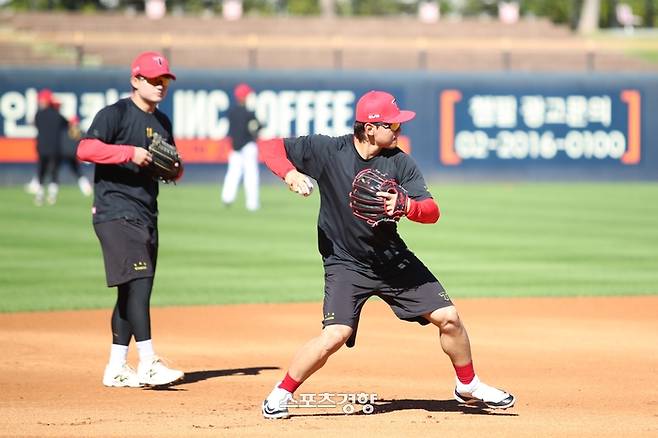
[[425, 211]]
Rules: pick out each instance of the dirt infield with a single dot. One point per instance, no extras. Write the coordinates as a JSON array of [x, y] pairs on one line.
[[579, 367]]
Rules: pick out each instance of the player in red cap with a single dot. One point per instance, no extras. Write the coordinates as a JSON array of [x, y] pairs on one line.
[[49, 123], [361, 260], [243, 159], [125, 215]]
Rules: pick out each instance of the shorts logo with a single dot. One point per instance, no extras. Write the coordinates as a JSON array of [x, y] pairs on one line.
[[329, 316], [140, 266]]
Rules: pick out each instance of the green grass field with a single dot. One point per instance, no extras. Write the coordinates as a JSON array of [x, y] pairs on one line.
[[493, 239]]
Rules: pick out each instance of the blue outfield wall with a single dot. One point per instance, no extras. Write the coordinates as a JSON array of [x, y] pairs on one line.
[[468, 126]]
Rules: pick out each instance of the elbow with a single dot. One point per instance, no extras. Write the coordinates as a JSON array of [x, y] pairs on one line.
[[437, 215], [433, 213], [82, 151], [274, 156]]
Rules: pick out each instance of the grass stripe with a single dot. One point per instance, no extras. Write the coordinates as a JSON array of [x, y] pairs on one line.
[[499, 239]]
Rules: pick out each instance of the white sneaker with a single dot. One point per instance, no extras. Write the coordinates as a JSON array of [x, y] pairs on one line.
[[478, 392], [120, 377], [156, 373], [39, 196], [33, 186], [275, 406], [53, 190]]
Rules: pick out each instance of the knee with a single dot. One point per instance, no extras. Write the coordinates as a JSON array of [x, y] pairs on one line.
[[446, 319], [334, 337]]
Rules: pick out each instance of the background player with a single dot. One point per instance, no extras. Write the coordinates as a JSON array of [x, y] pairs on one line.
[[361, 261], [50, 124], [243, 160], [125, 215]]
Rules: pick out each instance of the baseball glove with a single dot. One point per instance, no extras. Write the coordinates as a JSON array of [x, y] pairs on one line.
[[166, 165], [369, 207]]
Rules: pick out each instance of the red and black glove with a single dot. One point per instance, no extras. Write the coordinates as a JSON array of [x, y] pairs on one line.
[[368, 206]]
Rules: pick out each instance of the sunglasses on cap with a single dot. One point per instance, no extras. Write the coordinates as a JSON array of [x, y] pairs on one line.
[[160, 80], [392, 126]]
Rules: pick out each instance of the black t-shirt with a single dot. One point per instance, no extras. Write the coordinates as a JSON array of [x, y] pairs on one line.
[[243, 126], [127, 190], [49, 123], [334, 162]]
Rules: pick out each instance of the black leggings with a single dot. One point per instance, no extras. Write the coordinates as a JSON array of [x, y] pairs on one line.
[[132, 314], [48, 169]]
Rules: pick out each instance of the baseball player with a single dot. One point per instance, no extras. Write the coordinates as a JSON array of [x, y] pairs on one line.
[[125, 215], [49, 123], [361, 260], [243, 159]]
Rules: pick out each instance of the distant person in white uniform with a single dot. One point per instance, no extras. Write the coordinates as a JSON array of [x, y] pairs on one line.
[[243, 159]]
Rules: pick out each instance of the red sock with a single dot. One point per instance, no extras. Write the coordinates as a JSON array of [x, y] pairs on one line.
[[465, 374], [289, 384]]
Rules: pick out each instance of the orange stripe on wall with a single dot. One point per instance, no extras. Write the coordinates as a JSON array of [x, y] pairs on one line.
[[18, 150], [447, 153], [206, 151], [23, 150], [633, 154]]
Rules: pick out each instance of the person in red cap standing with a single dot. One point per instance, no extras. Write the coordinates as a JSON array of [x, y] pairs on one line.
[[49, 123], [243, 159], [125, 215], [361, 260]]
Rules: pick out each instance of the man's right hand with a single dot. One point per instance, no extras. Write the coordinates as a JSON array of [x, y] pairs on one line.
[[141, 157], [299, 183]]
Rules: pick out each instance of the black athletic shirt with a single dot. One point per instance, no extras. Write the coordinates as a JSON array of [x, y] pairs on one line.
[[334, 162], [49, 123], [127, 190], [240, 120]]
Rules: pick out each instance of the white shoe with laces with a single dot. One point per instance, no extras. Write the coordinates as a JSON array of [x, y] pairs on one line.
[[120, 377], [156, 373], [275, 406], [478, 392]]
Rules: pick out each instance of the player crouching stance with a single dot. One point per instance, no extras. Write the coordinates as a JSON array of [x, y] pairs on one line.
[[361, 176]]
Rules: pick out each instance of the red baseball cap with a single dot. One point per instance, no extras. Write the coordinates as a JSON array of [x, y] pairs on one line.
[[45, 95], [242, 91], [379, 106], [151, 65]]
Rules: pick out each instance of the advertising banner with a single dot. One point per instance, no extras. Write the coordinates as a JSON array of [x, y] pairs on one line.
[[489, 125]]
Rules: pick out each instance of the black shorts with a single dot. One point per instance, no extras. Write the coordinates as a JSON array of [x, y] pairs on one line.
[[410, 289], [130, 249]]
